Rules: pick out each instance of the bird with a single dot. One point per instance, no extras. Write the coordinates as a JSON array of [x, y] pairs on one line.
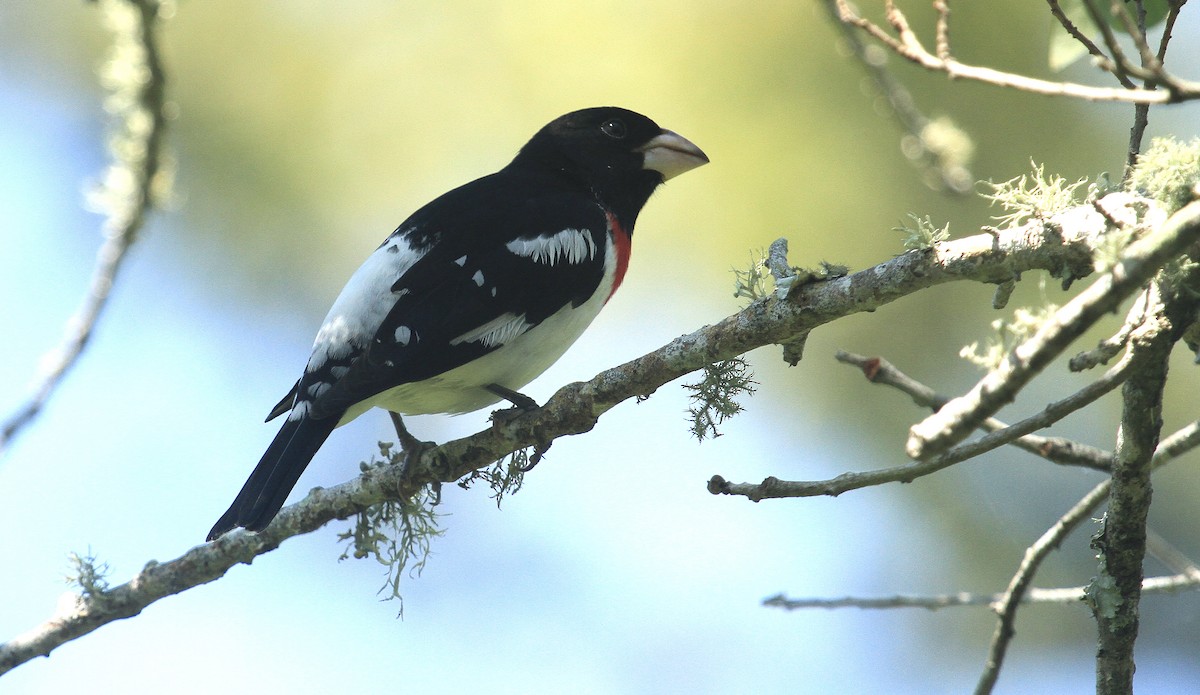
[[476, 293]]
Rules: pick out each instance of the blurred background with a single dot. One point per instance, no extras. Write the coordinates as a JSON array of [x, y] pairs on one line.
[[307, 131]]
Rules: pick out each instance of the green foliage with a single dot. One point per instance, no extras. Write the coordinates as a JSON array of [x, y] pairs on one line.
[[1168, 172], [924, 235], [1032, 195], [1065, 49], [714, 397], [396, 534]]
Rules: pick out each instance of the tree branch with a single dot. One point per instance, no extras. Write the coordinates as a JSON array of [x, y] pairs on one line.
[[773, 488], [1102, 59], [993, 256], [134, 182], [1054, 449], [1138, 263], [1006, 607], [1121, 542]]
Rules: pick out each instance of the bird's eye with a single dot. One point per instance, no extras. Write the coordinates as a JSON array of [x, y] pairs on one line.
[[614, 128]]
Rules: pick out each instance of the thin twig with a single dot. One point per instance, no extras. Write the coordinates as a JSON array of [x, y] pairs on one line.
[[1006, 606], [1168, 27], [1136, 28], [1141, 112], [1121, 63], [942, 43], [1055, 449], [908, 46], [1109, 347], [1178, 443], [1173, 558], [942, 159], [1102, 58], [132, 185], [774, 488], [1181, 581]]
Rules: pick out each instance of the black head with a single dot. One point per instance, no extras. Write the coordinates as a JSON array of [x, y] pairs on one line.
[[619, 155]]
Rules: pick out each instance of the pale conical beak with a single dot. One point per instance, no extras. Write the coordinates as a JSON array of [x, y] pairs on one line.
[[671, 154]]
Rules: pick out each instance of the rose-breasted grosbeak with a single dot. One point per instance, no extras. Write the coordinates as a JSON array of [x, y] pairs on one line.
[[475, 294]]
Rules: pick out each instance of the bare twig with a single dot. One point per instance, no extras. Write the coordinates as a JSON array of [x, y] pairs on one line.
[[1173, 558], [1154, 63], [940, 150], [133, 183], [1178, 443], [774, 488], [1168, 26], [942, 44], [1055, 449], [907, 45], [1102, 58], [1141, 112], [1136, 28], [1141, 260], [1182, 581], [1122, 67], [1006, 606], [1109, 347]]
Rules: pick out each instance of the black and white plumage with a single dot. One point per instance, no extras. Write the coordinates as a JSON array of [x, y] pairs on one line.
[[475, 294]]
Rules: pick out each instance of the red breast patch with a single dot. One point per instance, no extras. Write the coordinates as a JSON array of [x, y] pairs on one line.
[[621, 246]]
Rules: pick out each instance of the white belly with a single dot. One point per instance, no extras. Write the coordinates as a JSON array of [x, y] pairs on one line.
[[513, 365]]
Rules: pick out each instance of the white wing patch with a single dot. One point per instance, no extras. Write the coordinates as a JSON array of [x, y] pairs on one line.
[[498, 331], [570, 245], [364, 302]]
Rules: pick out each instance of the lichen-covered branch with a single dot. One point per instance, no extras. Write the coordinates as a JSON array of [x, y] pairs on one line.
[[1067, 247], [1121, 542], [1138, 263]]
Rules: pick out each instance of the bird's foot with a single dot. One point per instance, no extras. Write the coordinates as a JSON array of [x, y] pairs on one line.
[[522, 404], [413, 448], [408, 443]]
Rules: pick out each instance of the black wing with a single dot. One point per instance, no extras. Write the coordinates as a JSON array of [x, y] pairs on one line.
[[468, 278]]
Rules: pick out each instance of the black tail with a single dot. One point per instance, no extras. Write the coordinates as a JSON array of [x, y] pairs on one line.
[[267, 488]]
